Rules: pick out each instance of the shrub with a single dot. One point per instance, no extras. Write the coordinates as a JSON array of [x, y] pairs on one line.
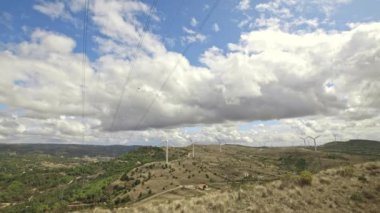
[[324, 180], [378, 187], [126, 199], [346, 171], [300, 164], [363, 179], [369, 195], [137, 182], [357, 196], [371, 167], [124, 177], [117, 201], [288, 180], [305, 178], [178, 206]]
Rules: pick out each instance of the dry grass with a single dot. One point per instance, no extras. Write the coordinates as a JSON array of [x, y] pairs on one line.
[[246, 179], [328, 192]]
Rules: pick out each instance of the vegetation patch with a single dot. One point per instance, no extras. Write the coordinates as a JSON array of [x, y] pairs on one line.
[[357, 196], [305, 178], [293, 163], [346, 171]]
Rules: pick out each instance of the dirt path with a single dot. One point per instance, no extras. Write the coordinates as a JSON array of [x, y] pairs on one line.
[[158, 194]]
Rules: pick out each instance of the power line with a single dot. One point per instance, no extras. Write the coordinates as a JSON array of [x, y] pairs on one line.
[[141, 35], [85, 22], [184, 51]]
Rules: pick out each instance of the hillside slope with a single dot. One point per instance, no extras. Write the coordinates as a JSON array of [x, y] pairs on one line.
[[345, 189], [66, 150], [357, 147]]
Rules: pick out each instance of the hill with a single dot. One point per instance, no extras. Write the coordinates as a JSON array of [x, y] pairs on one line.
[[67, 150], [45, 183], [345, 189], [141, 178], [357, 147], [185, 177]]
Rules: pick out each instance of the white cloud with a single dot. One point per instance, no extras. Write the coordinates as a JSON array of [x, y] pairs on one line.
[[53, 9], [192, 36], [215, 27], [290, 15], [77, 5], [329, 6], [261, 77], [193, 22], [244, 5], [276, 8], [121, 31], [56, 10]]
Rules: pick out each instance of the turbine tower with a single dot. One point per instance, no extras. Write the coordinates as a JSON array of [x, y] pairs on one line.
[[193, 149], [192, 142], [315, 142], [304, 140], [167, 152], [220, 144]]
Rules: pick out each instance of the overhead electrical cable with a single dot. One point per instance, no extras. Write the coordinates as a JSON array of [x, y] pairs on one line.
[[146, 27], [184, 51], [84, 44]]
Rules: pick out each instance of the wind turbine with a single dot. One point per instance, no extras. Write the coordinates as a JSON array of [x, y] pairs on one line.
[[192, 142], [167, 151], [304, 140], [335, 137], [193, 149], [315, 141], [220, 144]]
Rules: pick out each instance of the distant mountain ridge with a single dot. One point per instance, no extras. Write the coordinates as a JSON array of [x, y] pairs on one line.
[[67, 150], [356, 146]]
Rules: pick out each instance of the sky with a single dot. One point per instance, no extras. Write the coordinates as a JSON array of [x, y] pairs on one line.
[[250, 72]]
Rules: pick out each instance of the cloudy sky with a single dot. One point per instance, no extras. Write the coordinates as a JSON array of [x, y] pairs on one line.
[[139, 72]]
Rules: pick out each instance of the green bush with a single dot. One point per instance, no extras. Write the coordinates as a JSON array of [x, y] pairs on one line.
[[305, 178], [124, 177], [137, 182]]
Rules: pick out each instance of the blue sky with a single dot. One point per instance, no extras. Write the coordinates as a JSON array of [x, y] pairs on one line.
[[19, 19], [173, 17], [254, 66]]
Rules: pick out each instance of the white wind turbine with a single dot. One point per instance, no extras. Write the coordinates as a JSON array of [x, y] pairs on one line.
[[315, 141], [166, 151], [304, 140], [220, 144], [192, 143], [335, 137]]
